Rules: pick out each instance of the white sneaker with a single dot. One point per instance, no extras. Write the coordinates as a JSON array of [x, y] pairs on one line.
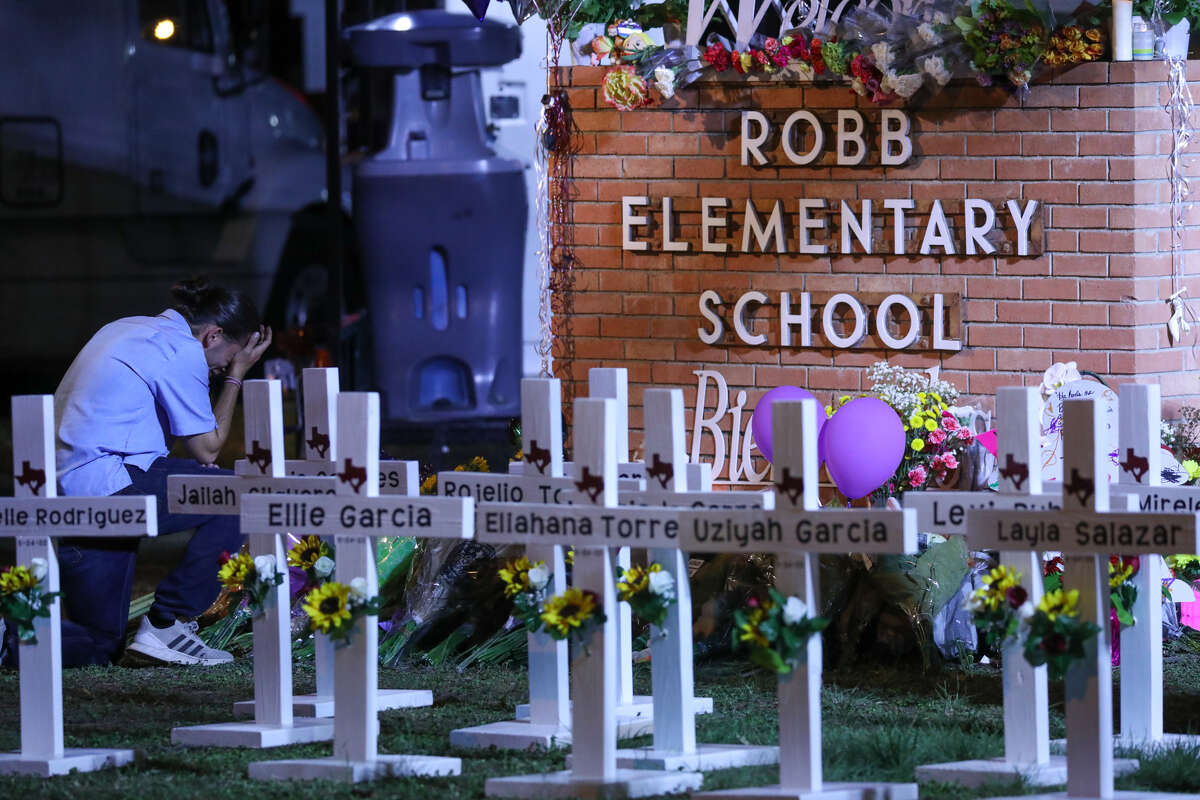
[[177, 644]]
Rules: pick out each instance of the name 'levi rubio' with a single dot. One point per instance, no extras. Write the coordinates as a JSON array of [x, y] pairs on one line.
[[765, 229]]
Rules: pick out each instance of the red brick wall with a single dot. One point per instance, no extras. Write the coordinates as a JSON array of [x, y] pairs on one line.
[[1090, 144]]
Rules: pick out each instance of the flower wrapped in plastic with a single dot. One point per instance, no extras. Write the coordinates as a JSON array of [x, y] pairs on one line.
[[1003, 40], [624, 89]]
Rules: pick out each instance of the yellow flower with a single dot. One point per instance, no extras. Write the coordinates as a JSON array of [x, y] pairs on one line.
[[752, 628], [429, 485], [328, 606], [916, 421], [569, 556], [1059, 602], [236, 571], [1002, 578], [1117, 576], [1193, 469], [17, 579], [568, 610], [306, 552], [918, 445], [515, 575], [930, 425], [921, 396], [635, 580], [476, 464]]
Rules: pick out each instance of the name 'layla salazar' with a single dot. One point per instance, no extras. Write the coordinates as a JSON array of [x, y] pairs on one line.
[[808, 217], [1091, 534]]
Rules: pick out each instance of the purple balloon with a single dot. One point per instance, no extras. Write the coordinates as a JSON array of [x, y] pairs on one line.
[[478, 7], [864, 443], [760, 425]]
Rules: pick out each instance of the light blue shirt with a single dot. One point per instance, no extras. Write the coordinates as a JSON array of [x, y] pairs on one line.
[[136, 383]]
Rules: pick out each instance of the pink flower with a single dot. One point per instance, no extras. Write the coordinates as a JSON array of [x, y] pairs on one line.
[[964, 435], [950, 461], [917, 477], [771, 44], [780, 57], [948, 421], [936, 437]]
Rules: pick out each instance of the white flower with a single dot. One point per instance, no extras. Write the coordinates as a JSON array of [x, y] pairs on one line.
[[881, 53], [264, 566], [39, 568], [664, 81], [928, 36], [358, 587], [1025, 611], [941, 18], [859, 87], [904, 85], [935, 68], [974, 602], [539, 576], [794, 610], [323, 567], [1057, 375], [662, 583]]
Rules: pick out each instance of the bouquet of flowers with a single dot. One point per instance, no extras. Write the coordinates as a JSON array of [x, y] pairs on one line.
[[333, 608], [253, 577], [1185, 567], [1122, 590], [526, 584], [23, 597], [935, 441], [1003, 40], [314, 556], [574, 614], [650, 592], [1055, 635], [776, 630], [1000, 606]]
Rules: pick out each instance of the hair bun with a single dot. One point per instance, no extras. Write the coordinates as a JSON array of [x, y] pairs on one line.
[[193, 293]]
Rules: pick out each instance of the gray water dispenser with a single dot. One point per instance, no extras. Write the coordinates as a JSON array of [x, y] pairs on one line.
[[440, 220]]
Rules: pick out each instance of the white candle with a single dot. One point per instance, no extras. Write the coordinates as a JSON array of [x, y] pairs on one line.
[[1122, 30]]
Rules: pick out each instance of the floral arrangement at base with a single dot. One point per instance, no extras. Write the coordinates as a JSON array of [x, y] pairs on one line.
[[23, 597], [253, 577], [1055, 635], [1000, 605], [574, 615], [333, 608], [649, 590], [1184, 567], [776, 631], [314, 556], [526, 584], [1122, 589]]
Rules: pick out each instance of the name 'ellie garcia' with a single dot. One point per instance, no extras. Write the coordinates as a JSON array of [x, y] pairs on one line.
[[1088, 533], [299, 515]]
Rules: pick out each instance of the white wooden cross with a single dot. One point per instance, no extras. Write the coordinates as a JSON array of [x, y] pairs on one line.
[[545, 721], [274, 722], [675, 706], [355, 517], [1139, 448], [1086, 532], [320, 390], [1026, 694], [797, 531], [35, 515], [593, 524]]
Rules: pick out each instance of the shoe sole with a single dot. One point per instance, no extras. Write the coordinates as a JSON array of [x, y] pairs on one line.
[[169, 656]]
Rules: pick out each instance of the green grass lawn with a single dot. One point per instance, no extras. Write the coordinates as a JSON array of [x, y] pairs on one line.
[[880, 723]]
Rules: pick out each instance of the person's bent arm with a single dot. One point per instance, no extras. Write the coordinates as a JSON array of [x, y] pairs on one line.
[[206, 447]]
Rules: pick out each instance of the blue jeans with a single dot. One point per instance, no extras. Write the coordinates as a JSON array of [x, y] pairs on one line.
[[96, 575]]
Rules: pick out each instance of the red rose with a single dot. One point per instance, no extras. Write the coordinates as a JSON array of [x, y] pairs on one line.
[[780, 57], [1055, 643], [761, 60], [717, 57], [221, 559], [1016, 595]]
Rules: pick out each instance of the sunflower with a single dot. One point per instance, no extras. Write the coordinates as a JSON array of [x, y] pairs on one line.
[[236, 571], [1119, 571], [328, 606], [635, 580], [1059, 603], [17, 579], [306, 552], [569, 610], [515, 575]]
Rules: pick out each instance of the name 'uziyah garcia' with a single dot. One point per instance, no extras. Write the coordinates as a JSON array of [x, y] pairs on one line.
[[850, 531]]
